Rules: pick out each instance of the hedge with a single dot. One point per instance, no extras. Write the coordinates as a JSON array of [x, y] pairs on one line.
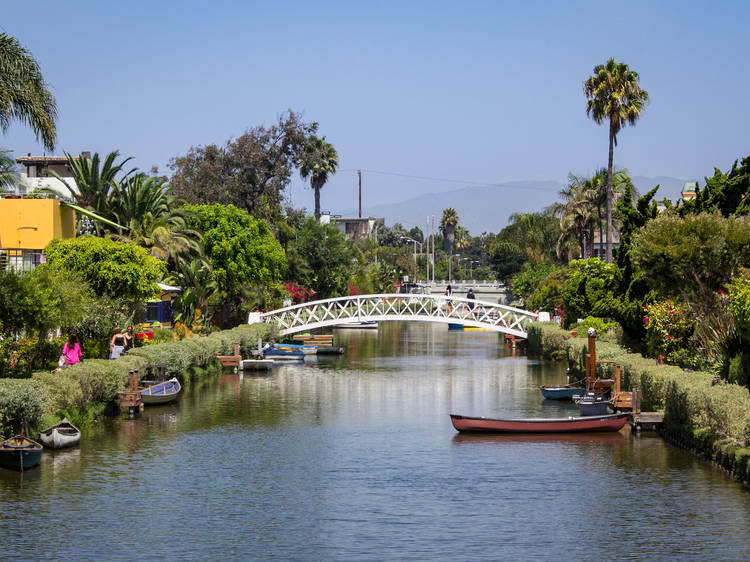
[[709, 417], [90, 386], [548, 340]]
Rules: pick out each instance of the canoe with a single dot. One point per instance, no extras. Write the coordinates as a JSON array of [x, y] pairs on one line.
[[61, 435], [161, 393], [613, 422], [564, 392], [20, 453], [366, 325]]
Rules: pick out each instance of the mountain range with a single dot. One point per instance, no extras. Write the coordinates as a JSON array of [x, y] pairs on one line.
[[488, 208]]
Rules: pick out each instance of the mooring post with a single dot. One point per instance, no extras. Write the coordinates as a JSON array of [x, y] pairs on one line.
[[591, 372], [617, 379]]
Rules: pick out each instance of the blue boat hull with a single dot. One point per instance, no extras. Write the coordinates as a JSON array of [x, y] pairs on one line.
[[561, 392], [161, 393]]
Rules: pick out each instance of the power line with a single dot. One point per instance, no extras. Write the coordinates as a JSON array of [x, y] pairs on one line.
[[449, 180]]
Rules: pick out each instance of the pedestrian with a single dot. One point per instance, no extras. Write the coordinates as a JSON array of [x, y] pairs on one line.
[[129, 339], [116, 344], [71, 352], [448, 302], [470, 295]]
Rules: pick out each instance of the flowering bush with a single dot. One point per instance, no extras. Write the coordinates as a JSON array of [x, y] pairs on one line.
[[668, 329], [353, 291], [298, 292]]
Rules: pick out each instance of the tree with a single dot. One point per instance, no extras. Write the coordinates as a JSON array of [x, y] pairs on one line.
[[507, 258], [318, 159], [576, 215], [728, 193], [111, 268], [590, 289], [448, 224], [329, 258], [613, 94], [24, 95], [241, 250], [250, 172], [9, 176], [95, 182]]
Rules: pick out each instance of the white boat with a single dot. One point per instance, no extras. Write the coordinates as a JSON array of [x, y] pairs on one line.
[[365, 325], [256, 364], [61, 435]]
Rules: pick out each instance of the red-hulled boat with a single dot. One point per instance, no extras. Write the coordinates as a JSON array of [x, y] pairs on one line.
[[612, 422]]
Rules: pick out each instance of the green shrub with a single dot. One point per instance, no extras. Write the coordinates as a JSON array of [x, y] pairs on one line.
[[20, 399], [63, 390], [739, 369], [162, 335], [547, 339]]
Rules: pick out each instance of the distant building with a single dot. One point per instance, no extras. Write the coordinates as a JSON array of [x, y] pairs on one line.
[[599, 247], [34, 173], [353, 228], [689, 190]]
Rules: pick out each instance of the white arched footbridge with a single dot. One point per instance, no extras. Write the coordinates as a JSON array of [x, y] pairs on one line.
[[409, 307]]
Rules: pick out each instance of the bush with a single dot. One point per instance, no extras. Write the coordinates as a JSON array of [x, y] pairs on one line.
[[20, 399], [739, 369], [548, 340], [606, 331]]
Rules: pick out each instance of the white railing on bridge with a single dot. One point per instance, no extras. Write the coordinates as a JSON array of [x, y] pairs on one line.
[[405, 307]]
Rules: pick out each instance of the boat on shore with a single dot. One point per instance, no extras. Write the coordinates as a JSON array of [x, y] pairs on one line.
[[161, 393], [60, 435], [20, 453], [561, 392], [612, 422]]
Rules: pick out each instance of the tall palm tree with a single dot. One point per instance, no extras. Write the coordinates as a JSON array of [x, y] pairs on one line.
[[614, 94], [576, 213], [24, 95], [318, 159], [448, 227]]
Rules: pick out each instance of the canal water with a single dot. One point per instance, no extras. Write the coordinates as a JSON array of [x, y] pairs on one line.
[[355, 458]]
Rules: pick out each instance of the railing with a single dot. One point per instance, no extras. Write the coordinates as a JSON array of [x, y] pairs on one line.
[[405, 307]]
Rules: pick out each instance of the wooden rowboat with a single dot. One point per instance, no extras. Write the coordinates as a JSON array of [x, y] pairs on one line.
[[61, 435], [20, 453], [564, 392], [613, 422], [161, 393]]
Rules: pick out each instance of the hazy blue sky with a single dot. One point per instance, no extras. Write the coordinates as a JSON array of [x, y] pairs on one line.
[[468, 91]]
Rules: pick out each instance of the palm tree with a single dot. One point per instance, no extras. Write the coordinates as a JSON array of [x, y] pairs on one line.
[[94, 182], [448, 227], [24, 95], [577, 214], [318, 159], [9, 176], [613, 94]]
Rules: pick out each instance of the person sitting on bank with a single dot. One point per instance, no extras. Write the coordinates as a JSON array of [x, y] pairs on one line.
[[71, 353], [117, 344], [470, 295]]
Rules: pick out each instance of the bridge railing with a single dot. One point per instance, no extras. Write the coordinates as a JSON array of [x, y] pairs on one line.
[[429, 308]]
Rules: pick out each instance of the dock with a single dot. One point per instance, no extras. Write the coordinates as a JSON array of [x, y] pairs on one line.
[[650, 421]]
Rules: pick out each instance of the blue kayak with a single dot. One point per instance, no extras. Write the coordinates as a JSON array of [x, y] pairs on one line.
[[565, 392]]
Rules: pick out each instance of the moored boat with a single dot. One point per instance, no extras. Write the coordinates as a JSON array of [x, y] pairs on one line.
[[561, 392], [354, 325], [593, 404], [307, 349], [331, 350], [256, 364], [60, 435], [20, 453], [613, 422], [270, 352], [161, 393]]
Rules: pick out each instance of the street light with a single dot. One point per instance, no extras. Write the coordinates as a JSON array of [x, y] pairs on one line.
[[416, 273]]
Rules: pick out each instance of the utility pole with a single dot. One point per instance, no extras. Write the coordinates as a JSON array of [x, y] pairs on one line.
[[359, 173]]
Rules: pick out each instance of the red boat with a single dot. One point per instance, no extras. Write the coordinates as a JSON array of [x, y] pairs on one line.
[[612, 422]]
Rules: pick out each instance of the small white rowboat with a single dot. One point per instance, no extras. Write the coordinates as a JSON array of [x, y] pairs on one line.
[[61, 435]]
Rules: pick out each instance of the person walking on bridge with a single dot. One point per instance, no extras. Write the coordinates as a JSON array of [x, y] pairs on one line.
[[470, 295]]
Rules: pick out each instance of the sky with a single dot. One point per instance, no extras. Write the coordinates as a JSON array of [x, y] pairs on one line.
[[422, 96]]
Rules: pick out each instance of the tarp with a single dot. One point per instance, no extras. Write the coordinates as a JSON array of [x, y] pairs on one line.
[[92, 214]]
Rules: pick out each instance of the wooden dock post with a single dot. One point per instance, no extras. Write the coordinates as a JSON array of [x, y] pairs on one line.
[[131, 398]]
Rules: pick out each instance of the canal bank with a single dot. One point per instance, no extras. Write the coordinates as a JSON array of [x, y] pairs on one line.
[[709, 418]]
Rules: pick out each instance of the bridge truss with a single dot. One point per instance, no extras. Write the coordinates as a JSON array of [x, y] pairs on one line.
[[404, 307]]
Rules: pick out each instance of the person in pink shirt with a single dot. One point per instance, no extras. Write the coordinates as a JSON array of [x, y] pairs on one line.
[[71, 353]]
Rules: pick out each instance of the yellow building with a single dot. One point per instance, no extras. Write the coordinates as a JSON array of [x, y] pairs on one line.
[[28, 225]]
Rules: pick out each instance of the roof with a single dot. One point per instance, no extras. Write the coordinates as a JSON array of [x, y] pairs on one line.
[[690, 187], [42, 160]]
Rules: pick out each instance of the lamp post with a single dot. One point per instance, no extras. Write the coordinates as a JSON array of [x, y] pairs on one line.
[[416, 272]]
